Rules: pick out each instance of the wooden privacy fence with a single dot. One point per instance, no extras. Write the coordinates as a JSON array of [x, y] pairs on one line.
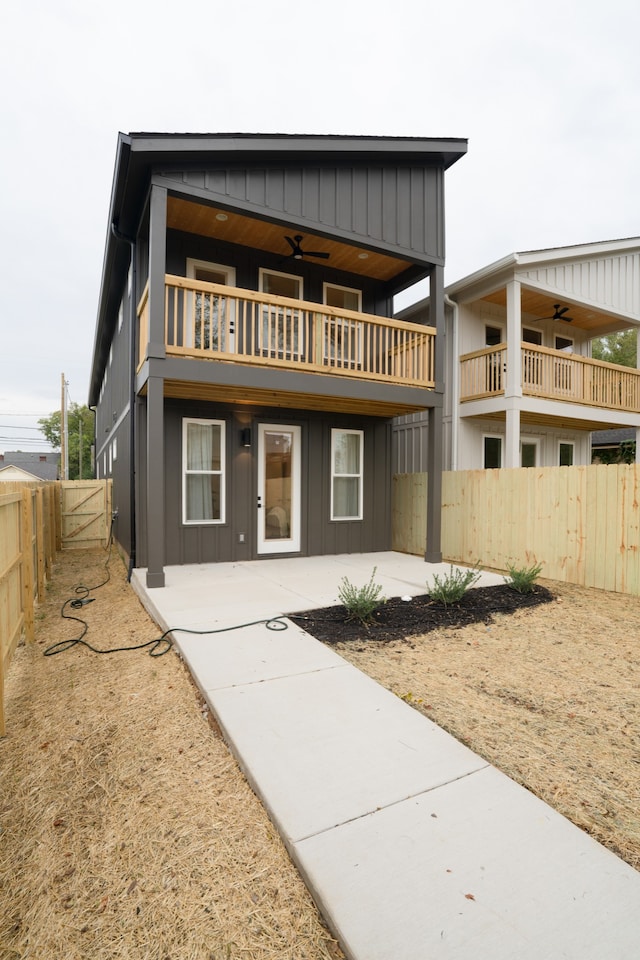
[[29, 539], [581, 523], [36, 521]]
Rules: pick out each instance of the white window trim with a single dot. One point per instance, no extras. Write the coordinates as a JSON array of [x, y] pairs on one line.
[[570, 349], [493, 436], [284, 314], [338, 286], [193, 264], [280, 273], [531, 442], [538, 333], [567, 443], [360, 433], [230, 274], [221, 472], [351, 328]]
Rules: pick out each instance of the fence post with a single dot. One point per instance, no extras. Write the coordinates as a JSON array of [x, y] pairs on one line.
[[40, 541], [26, 562]]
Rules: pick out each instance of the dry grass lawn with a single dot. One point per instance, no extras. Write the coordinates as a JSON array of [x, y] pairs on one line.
[[128, 831], [126, 828], [550, 695]]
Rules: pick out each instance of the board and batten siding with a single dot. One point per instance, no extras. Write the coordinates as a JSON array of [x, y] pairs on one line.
[[581, 523], [398, 207], [611, 281]]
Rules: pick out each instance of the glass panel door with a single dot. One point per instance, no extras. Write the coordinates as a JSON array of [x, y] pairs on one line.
[[278, 508], [211, 316]]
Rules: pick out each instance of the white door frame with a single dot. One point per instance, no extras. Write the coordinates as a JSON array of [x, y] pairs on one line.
[[290, 541]]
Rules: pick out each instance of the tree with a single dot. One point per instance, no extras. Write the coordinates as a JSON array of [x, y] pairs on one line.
[[616, 348], [80, 427]]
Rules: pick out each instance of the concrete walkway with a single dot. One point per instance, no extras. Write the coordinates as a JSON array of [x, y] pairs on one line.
[[413, 847]]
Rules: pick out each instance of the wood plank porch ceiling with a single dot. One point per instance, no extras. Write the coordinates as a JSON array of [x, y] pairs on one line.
[[247, 231], [185, 390], [538, 305]]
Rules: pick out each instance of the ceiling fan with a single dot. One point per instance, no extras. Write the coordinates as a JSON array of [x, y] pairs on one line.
[[298, 253], [558, 314]]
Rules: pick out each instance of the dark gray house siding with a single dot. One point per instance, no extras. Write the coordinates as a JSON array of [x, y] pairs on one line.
[[320, 534], [384, 196], [398, 208]]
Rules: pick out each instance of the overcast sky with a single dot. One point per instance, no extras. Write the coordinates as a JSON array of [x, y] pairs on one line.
[[546, 91]]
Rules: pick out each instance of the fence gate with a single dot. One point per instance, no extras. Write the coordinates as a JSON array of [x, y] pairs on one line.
[[86, 513]]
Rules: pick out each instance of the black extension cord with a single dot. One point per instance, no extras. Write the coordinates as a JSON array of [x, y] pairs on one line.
[[158, 646]]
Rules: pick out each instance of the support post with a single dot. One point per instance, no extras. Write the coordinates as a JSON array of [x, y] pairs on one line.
[[155, 482], [433, 553], [155, 388]]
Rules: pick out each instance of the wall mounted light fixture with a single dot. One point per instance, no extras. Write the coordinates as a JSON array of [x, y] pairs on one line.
[[245, 436]]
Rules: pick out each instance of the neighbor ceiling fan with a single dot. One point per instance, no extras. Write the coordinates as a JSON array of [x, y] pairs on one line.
[[559, 314], [297, 253]]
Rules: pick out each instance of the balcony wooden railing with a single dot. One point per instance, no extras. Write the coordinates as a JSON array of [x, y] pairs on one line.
[[483, 373], [553, 375], [216, 322]]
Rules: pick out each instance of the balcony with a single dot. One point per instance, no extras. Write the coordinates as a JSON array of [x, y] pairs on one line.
[[552, 375], [208, 321]]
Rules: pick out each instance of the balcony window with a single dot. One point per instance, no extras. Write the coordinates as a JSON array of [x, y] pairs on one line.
[[281, 329], [342, 336], [346, 474], [203, 453]]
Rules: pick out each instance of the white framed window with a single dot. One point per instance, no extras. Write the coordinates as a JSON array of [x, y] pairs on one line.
[[492, 452], [565, 344], [528, 453], [342, 336], [492, 336], [203, 474], [531, 335], [210, 316], [566, 453], [347, 449], [281, 332]]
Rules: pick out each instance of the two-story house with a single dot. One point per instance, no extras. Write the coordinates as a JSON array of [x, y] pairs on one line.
[[522, 388], [247, 366]]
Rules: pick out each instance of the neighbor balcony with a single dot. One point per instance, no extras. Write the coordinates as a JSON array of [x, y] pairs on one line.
[[552, 375], [209, 321]]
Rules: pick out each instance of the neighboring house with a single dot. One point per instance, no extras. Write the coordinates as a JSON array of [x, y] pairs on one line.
[[521, 387], [613, 446], [15, 465], [246, 365]]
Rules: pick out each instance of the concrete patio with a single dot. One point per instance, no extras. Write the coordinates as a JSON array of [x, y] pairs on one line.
[[412, 846]]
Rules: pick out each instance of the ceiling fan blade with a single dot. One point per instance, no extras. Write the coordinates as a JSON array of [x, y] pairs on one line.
[[294, 246], [316, 253]]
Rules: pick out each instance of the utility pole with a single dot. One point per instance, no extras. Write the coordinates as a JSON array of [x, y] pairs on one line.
[[63, 430]]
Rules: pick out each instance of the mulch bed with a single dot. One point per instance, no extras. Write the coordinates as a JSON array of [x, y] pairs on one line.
[[397, 619]]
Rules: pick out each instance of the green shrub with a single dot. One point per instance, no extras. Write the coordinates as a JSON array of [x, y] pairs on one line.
[[522, 579], [360, 602], [452, 586]]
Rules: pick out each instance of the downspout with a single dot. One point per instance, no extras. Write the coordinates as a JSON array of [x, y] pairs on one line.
[[455, 381], [132, 396]]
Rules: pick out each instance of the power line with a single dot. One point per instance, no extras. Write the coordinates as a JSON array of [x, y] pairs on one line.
[[11, 426]]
